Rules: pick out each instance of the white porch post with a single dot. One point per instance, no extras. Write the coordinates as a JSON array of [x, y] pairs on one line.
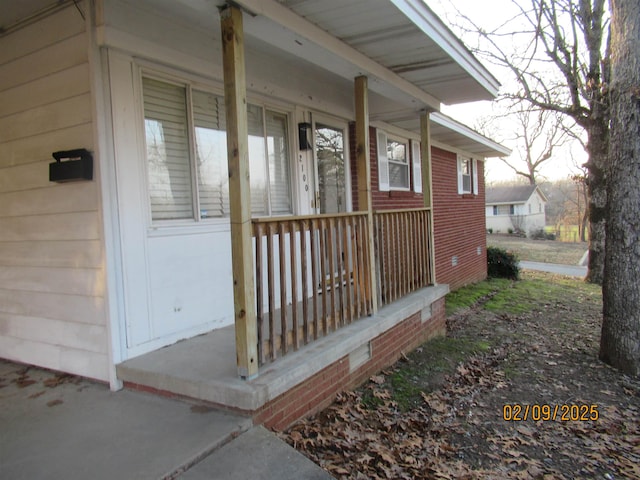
[[363, 165], [427, 186], [235, 97]]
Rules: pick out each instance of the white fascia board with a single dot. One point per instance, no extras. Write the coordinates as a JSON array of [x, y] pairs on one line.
[[462, 129], [288, 19], [457, 151], [541, 193], [420, 14]]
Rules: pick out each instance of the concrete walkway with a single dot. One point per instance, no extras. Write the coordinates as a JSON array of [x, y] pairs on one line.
[[55, 427], [571, 270]]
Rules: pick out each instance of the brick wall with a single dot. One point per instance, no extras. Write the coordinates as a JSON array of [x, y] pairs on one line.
[[381, 200], [319, 391], [459, 222], [459, 219]]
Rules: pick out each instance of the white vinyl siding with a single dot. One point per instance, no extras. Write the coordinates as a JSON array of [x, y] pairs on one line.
[[52, 279], [180, 120]]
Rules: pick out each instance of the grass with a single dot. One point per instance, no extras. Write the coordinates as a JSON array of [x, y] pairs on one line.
[[426, 367], [546, 251], [470, 295]]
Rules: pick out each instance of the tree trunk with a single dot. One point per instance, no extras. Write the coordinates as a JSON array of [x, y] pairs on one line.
[[597, 147], [597, 234], [620, 341], [585, 226]]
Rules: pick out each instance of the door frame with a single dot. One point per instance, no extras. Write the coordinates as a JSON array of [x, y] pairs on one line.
[[337, 123]]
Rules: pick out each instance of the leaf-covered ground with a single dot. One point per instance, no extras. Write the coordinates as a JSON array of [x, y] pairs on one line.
[[440, 412]]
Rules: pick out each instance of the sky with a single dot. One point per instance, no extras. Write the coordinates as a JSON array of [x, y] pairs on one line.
[[490, 15]]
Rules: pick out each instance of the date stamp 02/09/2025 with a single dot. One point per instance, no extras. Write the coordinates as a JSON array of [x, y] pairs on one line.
[[516, 412]]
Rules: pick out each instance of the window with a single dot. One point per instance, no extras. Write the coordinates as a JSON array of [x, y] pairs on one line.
[[503, 209], [512, 209], [467, 175], [186, 145], [393, 164]]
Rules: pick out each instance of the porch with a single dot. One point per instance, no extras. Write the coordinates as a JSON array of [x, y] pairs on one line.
[[321, 301], [303, 381]]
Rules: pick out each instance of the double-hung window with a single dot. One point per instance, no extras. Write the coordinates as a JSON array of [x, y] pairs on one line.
[[394, 163], [186, 148], [467, 175]]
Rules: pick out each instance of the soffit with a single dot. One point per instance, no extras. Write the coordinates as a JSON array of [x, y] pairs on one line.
[[407, 38]]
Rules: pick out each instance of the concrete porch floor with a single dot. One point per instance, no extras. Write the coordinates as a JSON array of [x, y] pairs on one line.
[[204, 367]]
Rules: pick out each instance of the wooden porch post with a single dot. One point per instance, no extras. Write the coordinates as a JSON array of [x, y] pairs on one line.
[[427, 186], [235, 97], [363, 165]]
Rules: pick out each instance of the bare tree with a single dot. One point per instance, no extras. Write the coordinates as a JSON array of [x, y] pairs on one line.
[[582, 204], [564, 68], [620, 340], [537, 134], [566, 205]]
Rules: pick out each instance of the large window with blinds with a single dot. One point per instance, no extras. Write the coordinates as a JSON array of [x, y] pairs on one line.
[[186, 147]]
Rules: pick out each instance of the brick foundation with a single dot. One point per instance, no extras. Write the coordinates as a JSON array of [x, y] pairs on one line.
[[318, 391]]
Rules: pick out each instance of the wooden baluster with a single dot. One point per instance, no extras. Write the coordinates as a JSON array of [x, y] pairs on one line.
[[332, 270], [314, 273], [271, 292], [284, 344], [259, 292], [347, 228], [293, 247], [323, 274], [305, 282]]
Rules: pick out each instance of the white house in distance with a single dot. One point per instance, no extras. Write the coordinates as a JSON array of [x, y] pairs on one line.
[[516, 207]]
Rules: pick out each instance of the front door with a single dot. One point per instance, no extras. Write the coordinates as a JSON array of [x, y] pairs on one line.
[[332, 193], [331, 167]]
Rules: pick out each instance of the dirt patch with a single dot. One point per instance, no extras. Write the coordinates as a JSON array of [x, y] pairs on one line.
[[522, 350], [547, 251]]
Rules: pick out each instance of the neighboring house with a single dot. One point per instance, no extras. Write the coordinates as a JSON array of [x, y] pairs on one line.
[[340, 204], [515, 208]]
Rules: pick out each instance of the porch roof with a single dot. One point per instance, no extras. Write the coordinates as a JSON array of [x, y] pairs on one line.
[[446, 130], [413, 61]]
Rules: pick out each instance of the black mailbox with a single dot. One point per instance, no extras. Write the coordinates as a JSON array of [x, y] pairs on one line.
[[71, 165]]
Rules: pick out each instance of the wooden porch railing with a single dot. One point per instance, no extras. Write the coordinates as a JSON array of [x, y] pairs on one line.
[[312, 277], [403, 252]]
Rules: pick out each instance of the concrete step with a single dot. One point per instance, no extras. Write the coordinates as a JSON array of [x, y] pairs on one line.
[[257, 454]]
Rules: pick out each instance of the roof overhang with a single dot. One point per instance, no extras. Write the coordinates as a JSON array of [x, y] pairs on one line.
[[446, 130], [413, 61], [406, 51]]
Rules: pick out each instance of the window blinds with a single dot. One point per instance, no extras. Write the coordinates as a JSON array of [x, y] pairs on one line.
[[167, 142]]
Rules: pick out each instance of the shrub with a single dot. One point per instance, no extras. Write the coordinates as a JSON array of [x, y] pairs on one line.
[[510, 231], [541, 234], [489, 231], [502, 264], [538, 234]]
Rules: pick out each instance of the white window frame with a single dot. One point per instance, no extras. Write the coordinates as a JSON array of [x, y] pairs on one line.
[[384, 178], [190, 85], [416, 159], [473, 175]]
